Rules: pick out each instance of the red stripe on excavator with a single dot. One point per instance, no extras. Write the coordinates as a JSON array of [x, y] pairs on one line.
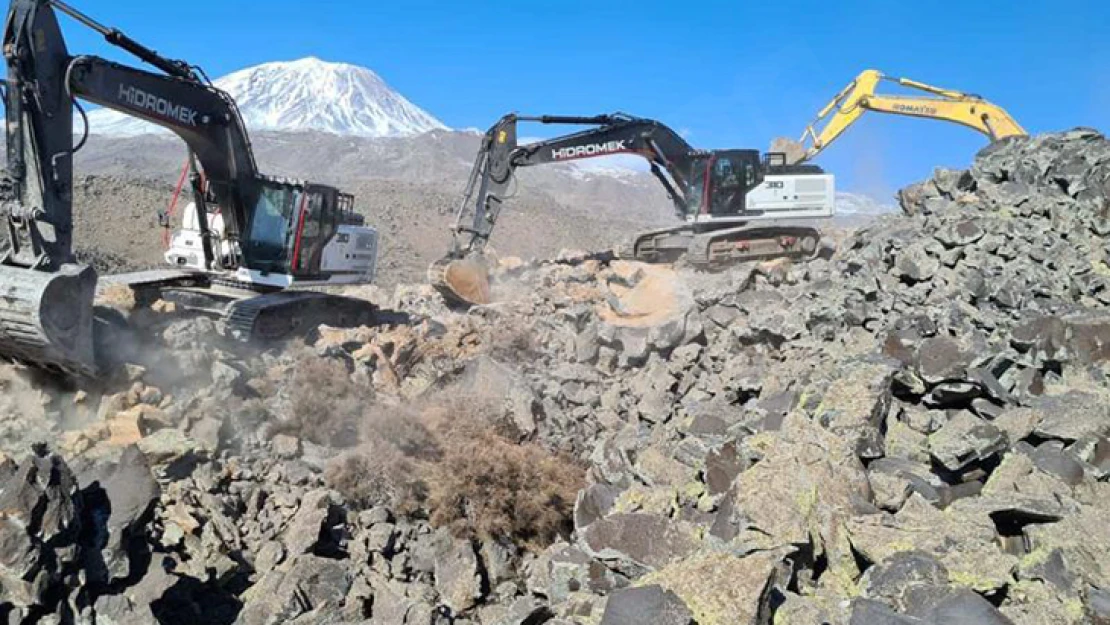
[[173, 205], [300, 232]]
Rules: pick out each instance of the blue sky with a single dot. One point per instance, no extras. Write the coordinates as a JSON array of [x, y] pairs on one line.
[[731, 74]]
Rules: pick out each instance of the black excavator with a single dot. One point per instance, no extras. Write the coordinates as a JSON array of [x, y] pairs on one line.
[[722, 196], [251, 236]]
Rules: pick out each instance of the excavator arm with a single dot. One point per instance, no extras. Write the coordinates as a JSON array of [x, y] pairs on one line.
[[46, 312], [949, 105], [667, 154], [44, 82]]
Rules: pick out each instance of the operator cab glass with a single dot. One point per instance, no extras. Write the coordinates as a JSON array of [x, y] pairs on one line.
[[719, 182], [732, 174], [289, 227]]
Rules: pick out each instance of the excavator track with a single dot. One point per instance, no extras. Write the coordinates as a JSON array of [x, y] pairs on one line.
[[248, 314], [727, 246], [290, 314]]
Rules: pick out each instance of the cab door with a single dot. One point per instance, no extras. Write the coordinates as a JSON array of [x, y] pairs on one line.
[[730, 175], [270, 234], [317, 223]]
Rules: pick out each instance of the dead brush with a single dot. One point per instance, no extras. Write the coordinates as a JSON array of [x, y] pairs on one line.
[[488, 487], [325, 404], [446, 460]]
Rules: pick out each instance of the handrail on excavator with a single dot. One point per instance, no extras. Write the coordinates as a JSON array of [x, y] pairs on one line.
[[948, 105]]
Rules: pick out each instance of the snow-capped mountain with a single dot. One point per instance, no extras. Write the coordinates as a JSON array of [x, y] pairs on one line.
[[308, 94]]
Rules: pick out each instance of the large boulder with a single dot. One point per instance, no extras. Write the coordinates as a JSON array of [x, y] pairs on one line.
[[856, 402], [800, 495], [966, 542], [637, 542], [724, 589], [645, 605]]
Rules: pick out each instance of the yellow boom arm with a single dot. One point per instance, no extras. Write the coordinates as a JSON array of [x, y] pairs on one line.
[[945, 104]]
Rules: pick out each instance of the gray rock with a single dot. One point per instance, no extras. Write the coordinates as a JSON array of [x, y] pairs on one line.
[[856, 403], [889, 581], [940, 359], [571, 571], [939, 606], [308, 583], [526, 611], [638, 540], [168, 445], [381, 538], [964, 540], [1055, 461], [593, 503], [1071, 416], [965, 439], [868, 612], [1098, 606], [129, 493], [722, 466], [286, 446], [206, 432], [915, 264], [310, 523], [458, 577], [646, 605]]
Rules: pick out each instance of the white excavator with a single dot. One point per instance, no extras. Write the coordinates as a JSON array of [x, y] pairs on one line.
[[247, 239], [735, 204]]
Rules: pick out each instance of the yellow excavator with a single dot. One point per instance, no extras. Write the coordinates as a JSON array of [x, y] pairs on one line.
[[944, 104]]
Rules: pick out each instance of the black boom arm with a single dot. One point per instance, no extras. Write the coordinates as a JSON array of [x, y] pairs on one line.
[[668, 154], [43, 84]]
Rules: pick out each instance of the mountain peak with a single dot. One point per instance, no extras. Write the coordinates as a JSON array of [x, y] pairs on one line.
[[307, 94]]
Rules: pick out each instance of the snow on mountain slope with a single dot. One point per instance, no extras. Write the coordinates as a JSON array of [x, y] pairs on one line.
[[308, 94]]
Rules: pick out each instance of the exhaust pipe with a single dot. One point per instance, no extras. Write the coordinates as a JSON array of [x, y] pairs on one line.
[[46, 319]]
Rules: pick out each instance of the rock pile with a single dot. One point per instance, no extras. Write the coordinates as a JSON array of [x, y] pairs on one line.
[[915, 431]]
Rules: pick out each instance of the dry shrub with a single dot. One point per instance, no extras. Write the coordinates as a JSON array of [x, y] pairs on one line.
[[488, 487], [403, 429], [325, 403], [378, 473], [446, 460]]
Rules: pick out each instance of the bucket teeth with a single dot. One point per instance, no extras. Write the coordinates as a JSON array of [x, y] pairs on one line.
[[46, 319]]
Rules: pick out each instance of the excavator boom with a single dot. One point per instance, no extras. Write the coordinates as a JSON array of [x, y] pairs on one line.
[[950, 105]]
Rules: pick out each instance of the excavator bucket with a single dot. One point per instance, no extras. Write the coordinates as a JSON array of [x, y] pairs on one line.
[[46, 319], [461, 281]]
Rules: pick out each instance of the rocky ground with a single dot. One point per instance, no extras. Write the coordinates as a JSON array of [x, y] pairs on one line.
[[913, 430]]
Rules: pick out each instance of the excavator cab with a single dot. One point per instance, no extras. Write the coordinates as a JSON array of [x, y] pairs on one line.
[[720, 181], [290, 226]]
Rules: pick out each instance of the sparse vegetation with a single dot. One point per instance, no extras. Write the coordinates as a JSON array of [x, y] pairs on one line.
[[450, 461], [325, 403], [489, 487]]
